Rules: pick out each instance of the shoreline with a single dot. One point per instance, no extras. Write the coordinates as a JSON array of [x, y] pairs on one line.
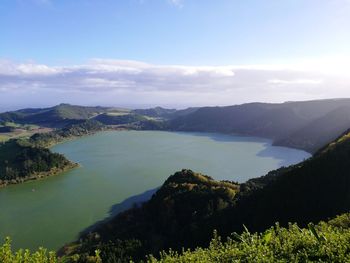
[[73, 137], [72, 165], [39, 176], [111, 128], [54, 171]]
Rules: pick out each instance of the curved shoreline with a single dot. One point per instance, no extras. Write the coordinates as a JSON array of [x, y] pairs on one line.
[[38, 176], [72, 165]]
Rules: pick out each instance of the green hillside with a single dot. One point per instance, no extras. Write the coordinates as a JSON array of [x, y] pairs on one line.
[[170, 219], [157, 112], [29, 159], [112, 119], [319, 131], [82, 128], [311, 191], [163, 113], [57, 116], [306, 125], [20, 161]]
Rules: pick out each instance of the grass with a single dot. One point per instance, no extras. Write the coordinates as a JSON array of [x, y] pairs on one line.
[[12, 124], [119, 113], [15, 135], [21, 131], [153, 118], [325, 242], [343, 138], [4, 138]]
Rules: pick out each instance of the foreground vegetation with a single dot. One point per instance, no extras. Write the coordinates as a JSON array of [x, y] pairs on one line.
[[325, 242], [25, 256]]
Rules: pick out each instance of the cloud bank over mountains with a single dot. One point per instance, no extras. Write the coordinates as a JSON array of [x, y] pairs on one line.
[[122, 82]]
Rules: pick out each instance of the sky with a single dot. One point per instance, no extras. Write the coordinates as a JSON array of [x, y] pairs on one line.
[[172, 53]]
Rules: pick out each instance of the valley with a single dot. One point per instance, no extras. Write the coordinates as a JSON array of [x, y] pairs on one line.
[[125, 155]]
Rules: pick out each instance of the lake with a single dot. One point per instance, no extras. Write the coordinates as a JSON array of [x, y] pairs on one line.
[[116, 165]]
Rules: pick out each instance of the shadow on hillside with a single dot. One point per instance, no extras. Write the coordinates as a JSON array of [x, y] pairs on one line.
[[121, 207], [284, 157], [226, 137]]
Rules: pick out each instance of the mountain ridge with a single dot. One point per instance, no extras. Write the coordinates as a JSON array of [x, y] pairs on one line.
[[305, 125]]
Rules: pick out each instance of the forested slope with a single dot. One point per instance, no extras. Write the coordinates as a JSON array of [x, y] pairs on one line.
[[20, 161], [70, 131]]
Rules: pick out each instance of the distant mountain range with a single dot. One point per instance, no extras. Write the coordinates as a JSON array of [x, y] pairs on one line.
[[57, 116], [306, 125]]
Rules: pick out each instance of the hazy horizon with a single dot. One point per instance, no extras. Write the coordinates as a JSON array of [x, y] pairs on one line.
[[148, 106]]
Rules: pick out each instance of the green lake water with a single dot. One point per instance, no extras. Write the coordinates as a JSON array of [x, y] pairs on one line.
[[118, 165]]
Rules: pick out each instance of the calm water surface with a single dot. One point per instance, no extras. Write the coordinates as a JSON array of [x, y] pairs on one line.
[[117, 165]]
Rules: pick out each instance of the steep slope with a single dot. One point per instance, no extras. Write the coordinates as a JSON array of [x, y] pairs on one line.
[[273, 123], [313, 190], [320, 131], [172, 218], [314, 109], [307, 125], [220, 119]]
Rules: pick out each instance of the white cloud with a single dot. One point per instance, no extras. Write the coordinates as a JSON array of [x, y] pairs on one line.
[[295, 81], [9, 68], [101, 81], [177, 3]]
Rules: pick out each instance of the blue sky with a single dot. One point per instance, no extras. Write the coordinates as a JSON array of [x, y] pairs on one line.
[[65, 35], [190, 32]]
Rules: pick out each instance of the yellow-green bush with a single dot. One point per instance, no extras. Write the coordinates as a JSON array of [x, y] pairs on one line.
[[322, 243], [25, 256], [325, 242]]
